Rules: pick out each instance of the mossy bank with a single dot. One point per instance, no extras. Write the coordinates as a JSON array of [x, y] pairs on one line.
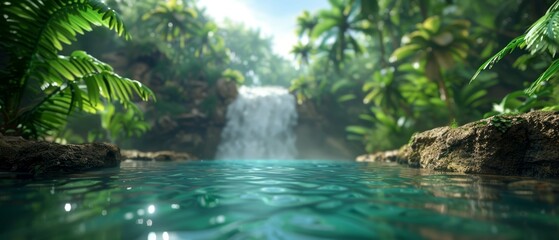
[[522, 145]]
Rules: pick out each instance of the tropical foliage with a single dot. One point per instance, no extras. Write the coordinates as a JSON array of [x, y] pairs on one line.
[[41, 88], [405, 66], [181, 54], [540, 39], [336, 30], [378, 70]]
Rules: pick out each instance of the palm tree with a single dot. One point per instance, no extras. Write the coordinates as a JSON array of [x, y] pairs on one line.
[[305, 24], [337, 29], [302, 52], [440, 45], [40, 88], [176, 21]]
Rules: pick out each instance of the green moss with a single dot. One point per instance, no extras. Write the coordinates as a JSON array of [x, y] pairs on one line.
[[504, 122]]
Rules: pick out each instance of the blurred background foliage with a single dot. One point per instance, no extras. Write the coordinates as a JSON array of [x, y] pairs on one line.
[[378, 70], [181, 54], [395, 67]]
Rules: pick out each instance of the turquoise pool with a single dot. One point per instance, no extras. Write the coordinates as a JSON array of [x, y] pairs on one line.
[[249, 199]]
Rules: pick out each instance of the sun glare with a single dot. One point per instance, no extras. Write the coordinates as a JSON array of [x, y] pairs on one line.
[[239, 11], [234, 10]]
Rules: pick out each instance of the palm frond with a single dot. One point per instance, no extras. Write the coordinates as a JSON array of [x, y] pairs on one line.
[[43, 27], [53, 114], [543, 35], [542, 80], [98, 76], [518, 42], [305, 23], [32, 33], [322, 27]]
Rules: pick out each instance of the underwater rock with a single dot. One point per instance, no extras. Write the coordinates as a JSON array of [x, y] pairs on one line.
[[47, 158], [156, 156], [523, 145]]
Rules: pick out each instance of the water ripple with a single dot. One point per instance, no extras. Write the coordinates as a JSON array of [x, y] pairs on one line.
[[278, 200]]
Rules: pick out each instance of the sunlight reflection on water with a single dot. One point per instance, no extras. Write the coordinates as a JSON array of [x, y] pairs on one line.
[[278, 200]]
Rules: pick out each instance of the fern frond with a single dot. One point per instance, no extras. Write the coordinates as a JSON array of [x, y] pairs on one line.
[[39, 29], [549, 73], [99, 78], [31, 34], [518, 42], [53, 113], [543, 35]]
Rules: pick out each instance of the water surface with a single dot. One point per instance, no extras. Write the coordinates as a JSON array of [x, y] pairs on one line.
[[277, 200]]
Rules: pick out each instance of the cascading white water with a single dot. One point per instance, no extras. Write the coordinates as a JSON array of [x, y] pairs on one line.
[[260, 125]]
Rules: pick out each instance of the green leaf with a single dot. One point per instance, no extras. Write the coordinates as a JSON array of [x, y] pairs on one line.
[[340, 85], [518, 42], [404, 52], [346, 97], [432, 24], [550, 72], [322, 27], [543, 35], [360, 130], [61, 70]]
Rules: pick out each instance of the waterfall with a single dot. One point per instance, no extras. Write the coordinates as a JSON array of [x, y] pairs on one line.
[[259, 125]]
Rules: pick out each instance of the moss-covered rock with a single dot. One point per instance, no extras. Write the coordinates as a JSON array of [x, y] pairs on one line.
[[525, 145]]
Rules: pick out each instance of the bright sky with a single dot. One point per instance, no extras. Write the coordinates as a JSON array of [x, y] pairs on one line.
[[276, 18]]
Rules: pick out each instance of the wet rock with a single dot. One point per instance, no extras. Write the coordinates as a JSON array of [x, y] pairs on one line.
[[47, 158], [227, 90], [156, 156], [191, 116], [387, 156], [523, 145]]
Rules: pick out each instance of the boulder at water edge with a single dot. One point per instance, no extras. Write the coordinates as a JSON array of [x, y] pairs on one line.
[[46, 158], [524, 145], [156, 156]]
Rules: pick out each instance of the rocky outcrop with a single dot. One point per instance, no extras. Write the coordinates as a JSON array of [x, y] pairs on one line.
[[195, 131], [190, 113], [387, 156], [47, 158], [156, 156], [227, 90], [524, 145]]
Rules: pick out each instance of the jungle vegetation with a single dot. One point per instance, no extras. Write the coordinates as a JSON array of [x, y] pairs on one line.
[[388, 68], [380, 70], [40, 87]]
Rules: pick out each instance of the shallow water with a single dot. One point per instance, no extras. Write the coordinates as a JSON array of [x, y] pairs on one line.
[[277, 200]]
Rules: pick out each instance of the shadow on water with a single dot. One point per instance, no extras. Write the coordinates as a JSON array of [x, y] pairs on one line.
[[271, 199]]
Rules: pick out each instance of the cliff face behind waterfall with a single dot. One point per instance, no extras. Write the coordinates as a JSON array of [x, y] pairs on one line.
[[260, 125]]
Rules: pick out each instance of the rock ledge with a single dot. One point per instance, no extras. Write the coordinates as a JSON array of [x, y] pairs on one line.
[[156, 156], [522, 145], [47, 158]]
